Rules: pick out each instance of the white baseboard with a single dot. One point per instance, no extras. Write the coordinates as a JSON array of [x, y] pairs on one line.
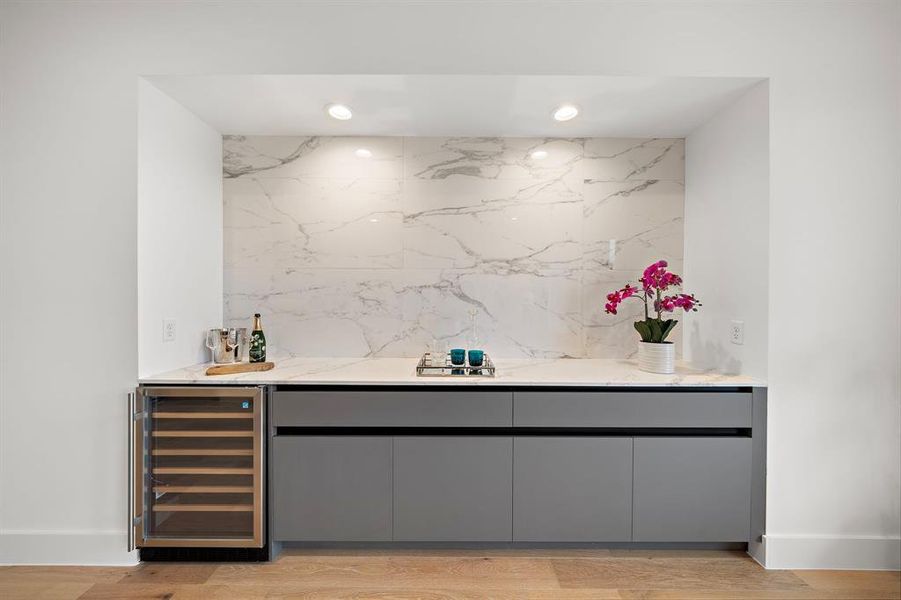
[[831, 552], [106, 548]]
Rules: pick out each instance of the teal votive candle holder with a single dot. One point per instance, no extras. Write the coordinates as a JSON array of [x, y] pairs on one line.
[[476, 358], [458, 356]]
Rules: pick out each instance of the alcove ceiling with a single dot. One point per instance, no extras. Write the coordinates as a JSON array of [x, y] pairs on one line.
[[453, 105]]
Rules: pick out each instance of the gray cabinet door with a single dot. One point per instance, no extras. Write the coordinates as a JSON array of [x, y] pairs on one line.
[[453, 488], [332, 488], [393, 408], [671, 408], [572, 489], [692, 490]]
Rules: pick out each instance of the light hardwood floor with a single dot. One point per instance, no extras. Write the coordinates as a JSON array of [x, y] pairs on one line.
[[455, 575]]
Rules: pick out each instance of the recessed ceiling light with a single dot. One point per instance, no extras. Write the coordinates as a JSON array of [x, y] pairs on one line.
[[539, 155], [373, 220], [363, 153], [565, 112], [340, 112]]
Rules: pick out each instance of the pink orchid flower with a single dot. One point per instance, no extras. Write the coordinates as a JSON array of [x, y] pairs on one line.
[[654, 281]]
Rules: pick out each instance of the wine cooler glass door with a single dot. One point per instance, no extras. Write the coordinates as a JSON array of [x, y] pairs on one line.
[[202, 467]]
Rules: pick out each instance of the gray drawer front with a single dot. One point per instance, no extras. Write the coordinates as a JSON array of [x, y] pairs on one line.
[[692, 490], [453, 489], [572, 489], [332, 489], [632, 409], [467, 408]]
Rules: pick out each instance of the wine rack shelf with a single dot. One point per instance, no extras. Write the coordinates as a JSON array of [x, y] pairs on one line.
[[202, 433], [203, 507], [202, 471], [203, 489], [202, 452], [202, 415]]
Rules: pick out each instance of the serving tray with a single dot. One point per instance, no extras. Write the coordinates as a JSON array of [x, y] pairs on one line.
[[241, 367], [425, 368]]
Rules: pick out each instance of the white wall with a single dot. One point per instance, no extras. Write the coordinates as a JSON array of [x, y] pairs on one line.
[[727, 196], [179, 231], [68, 208]]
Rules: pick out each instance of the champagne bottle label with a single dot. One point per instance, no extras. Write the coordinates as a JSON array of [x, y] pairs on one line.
[[257, 341], [257, 347]]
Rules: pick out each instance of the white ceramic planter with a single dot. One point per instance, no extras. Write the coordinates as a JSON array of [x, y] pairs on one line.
[[657, 358]]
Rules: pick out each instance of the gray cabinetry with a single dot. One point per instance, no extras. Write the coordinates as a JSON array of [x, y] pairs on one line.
[[692, 489], [632, 409], [537, 465], [332, 488], [393, 408], [453, 488], [572, 489]]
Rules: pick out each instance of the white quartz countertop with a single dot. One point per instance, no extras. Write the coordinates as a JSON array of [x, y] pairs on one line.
[[558, 372]]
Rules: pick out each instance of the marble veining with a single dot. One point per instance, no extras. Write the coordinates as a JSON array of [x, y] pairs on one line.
[[378, 256]]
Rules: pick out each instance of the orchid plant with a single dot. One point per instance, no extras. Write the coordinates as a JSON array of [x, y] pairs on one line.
[[655, 282]]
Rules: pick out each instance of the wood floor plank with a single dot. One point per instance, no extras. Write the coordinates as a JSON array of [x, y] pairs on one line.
[[672, 573], [727, 594], [888, 582], [169, 573], [439, 594], [139, 591], [221, 592], [61, 574], [52, 590], [400, 572]]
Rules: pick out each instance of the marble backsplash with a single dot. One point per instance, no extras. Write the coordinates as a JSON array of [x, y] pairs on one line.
[[377, 256]]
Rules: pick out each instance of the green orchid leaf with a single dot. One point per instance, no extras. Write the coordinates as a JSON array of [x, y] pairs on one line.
[[643, 330], [668, 326], [656, 330]]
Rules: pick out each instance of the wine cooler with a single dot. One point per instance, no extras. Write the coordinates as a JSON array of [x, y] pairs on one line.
[[196, 476]]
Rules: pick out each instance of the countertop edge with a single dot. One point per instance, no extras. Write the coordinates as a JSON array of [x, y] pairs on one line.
[[454, 383], [400, 372]]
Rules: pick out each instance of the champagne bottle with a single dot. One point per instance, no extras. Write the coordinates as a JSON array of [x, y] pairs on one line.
[[257, 341]]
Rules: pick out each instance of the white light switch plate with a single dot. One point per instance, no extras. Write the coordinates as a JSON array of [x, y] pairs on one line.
[[168, 330], [737, 332]]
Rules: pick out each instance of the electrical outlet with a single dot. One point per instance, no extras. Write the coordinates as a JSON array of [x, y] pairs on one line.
[[737, 332], [168, 330]]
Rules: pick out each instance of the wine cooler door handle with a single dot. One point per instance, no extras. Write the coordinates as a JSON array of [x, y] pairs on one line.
[[135, 458], [130, 527]]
